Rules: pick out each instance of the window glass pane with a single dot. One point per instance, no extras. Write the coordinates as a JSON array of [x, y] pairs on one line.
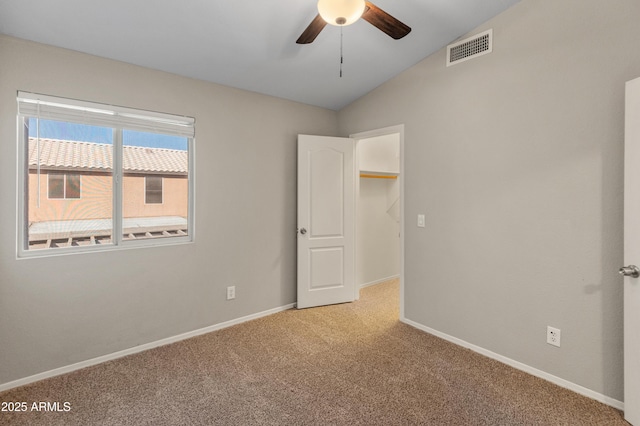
[[56, 185], [153, 194], [73, 163], [72, 188], [155, 191]]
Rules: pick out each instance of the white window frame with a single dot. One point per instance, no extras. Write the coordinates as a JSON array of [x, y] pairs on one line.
[[118, 118]]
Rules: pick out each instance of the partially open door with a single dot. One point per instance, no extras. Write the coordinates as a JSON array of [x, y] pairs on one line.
[[326, 220], [632, 254]]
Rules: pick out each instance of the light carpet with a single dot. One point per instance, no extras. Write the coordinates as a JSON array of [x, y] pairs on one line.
[[348, 364]]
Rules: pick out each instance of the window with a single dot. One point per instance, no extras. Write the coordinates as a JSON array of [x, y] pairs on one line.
[[153, 190], [97, 176], [64, 186]]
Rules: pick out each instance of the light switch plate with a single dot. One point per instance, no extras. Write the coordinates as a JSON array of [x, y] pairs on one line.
[[420, 221], [231, 292]]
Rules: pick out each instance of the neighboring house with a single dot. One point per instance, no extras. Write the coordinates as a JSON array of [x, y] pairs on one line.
[[71, 193]]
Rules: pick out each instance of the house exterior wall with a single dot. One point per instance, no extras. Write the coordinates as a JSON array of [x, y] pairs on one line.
[[95, 202], [175, 197], [96, 198]]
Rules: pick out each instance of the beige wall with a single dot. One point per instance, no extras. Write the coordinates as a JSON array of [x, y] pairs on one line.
[[61, 310], [377, 231], [516, 160]]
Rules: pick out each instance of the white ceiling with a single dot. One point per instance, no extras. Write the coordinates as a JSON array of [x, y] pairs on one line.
[[249, 44]]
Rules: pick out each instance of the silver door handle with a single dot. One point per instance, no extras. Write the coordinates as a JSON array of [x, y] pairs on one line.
[[303, 231], [630, 271]]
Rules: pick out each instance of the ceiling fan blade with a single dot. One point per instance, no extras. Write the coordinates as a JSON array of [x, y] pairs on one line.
[[312, 31], [385, 22]]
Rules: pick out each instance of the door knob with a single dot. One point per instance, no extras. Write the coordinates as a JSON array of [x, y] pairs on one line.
[[630, 271], [303, 231]]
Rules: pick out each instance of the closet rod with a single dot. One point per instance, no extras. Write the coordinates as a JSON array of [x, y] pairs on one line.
[[365, 175]]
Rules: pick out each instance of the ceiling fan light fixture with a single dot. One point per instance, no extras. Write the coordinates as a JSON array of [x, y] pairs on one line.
[[341, 12]]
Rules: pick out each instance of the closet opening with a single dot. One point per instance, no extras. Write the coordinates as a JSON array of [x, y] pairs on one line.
[[379, 208]]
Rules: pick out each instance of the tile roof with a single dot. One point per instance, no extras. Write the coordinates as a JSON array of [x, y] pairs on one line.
[[77, 155]]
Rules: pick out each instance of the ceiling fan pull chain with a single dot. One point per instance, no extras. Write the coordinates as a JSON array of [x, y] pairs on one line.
[[341, 59]]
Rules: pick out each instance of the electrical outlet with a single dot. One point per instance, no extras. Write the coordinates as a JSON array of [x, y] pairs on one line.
[[231, 292], [553, 336]]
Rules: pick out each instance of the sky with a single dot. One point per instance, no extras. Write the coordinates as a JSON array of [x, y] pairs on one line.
[[88, 133]]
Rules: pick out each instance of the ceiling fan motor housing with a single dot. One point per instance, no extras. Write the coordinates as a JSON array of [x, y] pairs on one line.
[[341, 12], [345, 12]]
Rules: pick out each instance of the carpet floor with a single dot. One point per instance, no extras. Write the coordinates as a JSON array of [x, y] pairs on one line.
[[349, 364]]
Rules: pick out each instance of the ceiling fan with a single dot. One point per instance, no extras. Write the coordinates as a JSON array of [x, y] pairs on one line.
[[346, 12]]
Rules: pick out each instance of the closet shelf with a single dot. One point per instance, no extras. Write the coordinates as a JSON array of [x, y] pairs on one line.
[[378, 175]]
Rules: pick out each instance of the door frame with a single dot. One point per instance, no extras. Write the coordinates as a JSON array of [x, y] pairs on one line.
[[397, 129]]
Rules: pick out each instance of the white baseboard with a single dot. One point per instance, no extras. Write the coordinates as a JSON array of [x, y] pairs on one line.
[[520, 366], [140, 348], [380, 281]]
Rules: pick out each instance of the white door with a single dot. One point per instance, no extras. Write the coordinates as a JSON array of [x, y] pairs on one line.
[[326, 220], [632, 254]]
